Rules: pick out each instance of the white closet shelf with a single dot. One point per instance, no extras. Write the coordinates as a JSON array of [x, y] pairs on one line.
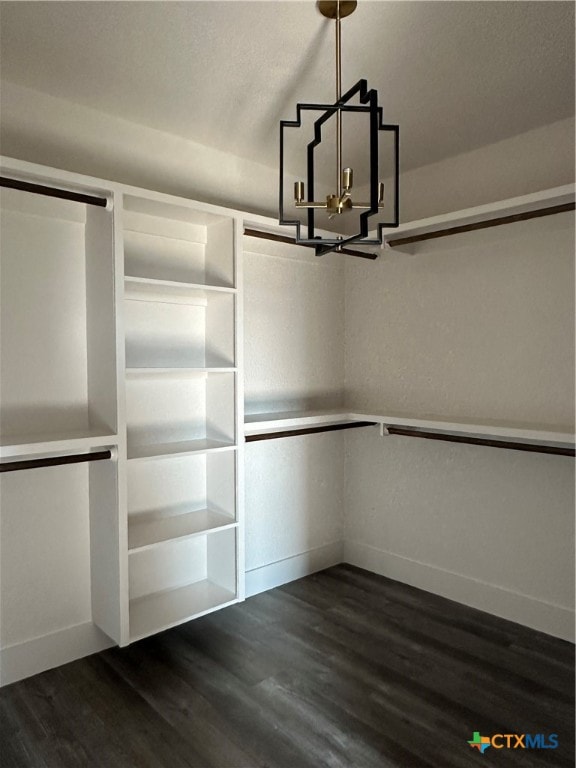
[[152, 529], [468, 217], [147, 288], [264, 423], [486, 429], [178, 372], [161, 610], [529, 434], [182, 448], [70, 441]]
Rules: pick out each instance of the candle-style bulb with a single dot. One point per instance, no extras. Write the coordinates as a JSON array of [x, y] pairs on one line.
[[347, 179], [298, 191]]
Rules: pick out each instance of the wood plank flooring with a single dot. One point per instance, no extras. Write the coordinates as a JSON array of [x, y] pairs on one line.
[[343, 669]]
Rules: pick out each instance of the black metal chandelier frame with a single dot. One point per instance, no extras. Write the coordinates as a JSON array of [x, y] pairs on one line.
[[370, 98], [342, 201]]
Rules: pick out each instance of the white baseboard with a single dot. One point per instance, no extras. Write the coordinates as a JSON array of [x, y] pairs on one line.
[[292, 568], [42, 653], [547, 617]]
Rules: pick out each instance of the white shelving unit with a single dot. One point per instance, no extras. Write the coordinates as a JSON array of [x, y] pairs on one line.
[[120, 332], [181, 321]]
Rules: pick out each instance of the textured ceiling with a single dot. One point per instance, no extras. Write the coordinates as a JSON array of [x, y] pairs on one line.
[[454, 75]]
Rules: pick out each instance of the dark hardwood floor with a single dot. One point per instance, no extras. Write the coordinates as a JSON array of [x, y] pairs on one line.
[[343, 669]]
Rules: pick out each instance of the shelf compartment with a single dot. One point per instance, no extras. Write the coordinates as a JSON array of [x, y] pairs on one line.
[[58, 349], [59, 551], [196, 334], [154, 613], [170, 413], [178, 582], [182, 497], [177, 243]]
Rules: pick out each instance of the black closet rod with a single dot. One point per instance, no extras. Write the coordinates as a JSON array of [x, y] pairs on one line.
[[54, 461], [497, 222], [407, 432], [292, 241], [308, 431], [531, 447], [41, 189]]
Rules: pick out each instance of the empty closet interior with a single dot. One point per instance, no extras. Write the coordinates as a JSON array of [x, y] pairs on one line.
[[137, 331]]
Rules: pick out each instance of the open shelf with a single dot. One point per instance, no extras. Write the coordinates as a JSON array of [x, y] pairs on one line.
[[545, 436], [144, 451], [181, 372], [261, 423], [537, 434], [196, 334], [147, 289], [170, 242], [58, 348], [153, 613], [151, 530], [170, 413], [181, 497], [179, 581], [46, 443]]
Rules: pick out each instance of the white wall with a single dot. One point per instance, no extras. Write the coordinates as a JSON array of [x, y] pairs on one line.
[[478, 325], [294, 360], [474, 325]]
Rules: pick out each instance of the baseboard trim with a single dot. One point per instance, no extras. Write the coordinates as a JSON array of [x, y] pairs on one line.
[[49, 651], [531, 612], [40, 654], [292, 568]]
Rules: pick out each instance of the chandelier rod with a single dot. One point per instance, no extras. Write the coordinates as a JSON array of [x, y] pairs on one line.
[[338, 97]]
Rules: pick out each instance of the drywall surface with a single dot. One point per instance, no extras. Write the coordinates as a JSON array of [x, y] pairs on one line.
[[293, 328], [45, 552], [294, 360], [294, 507], [477, 325]]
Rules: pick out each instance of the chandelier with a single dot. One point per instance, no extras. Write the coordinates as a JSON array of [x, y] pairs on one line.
[[339, 206]]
